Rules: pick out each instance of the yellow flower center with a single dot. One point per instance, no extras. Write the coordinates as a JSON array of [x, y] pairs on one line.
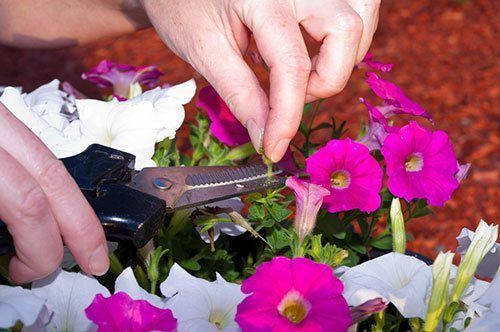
[[414, 162], [294, 307], [340, 179]]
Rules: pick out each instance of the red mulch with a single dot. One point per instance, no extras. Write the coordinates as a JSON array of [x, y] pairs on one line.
[[445, 55]]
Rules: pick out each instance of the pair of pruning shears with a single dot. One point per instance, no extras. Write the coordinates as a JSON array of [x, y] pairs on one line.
[[132, 205]]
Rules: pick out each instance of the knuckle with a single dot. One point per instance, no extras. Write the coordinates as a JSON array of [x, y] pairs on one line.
[[298, 63], [351, 22], [33, 204]]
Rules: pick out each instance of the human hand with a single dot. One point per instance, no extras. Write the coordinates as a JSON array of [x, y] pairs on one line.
[[213, 35], [41, 205]]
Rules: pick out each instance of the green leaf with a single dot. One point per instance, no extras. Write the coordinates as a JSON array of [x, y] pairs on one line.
[[278, 212], [382, 242], [257, 212], [190, 265]]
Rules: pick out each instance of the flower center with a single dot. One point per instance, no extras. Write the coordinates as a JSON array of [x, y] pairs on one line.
[[218, 319], [294, 307], [340, 179], [414, 162]]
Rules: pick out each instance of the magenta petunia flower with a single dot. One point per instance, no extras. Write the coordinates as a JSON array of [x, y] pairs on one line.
[[225, 127], [394, 96], [122, 78], [420, 164], [370, 63], [309, 198], [352, 175], [120, 313], [293, 295]]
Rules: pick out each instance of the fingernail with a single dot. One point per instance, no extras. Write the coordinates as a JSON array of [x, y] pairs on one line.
[[99, 261], [279, 150], [256, 134]]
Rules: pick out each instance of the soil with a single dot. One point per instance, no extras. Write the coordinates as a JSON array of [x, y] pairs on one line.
[[445, 55]]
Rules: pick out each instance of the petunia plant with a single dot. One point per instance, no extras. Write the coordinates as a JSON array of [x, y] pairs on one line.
[[326, 252]]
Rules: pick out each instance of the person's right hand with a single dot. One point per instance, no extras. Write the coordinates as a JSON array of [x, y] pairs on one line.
[[42, 206]]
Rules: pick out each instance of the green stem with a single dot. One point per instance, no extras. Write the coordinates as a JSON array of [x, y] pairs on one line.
[[370, 228], [115, 266], [311, 122], [379, 322]]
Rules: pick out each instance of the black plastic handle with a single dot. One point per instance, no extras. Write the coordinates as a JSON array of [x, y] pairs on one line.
[[125, 213]]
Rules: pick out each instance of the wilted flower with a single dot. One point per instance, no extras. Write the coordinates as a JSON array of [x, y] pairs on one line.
[[352, 175], [440, 289], [482, 242], [402, 280], [225, 127], [124, 79], [120, 313], [309, 198], [370, 63], [21, 305], [463, 171], [365, 310], [420, 164], [491, 261], [229, 227], [378, 127], [200, 305], [394, 96], [293, 295]]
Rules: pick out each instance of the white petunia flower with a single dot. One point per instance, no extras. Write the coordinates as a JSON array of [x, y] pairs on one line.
[[135, 125], [60, 136], [489, 320], [200, 305], [229, 228], [403, 280], [21, 305], [132, 126], [67, 295], [491, 261], [127, 283], [52, 104]]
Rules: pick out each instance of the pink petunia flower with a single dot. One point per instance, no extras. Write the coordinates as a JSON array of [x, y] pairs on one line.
[[352, 175], [122, 78], [120, 313], [370, 63], [420, 164], [394, 96], [309, 199], [225, 127], [293, 295]]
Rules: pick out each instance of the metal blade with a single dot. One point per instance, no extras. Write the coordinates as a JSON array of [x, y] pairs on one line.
[[184, 187]]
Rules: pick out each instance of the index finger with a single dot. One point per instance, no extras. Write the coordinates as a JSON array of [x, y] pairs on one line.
[[77, 222], [281, 45]]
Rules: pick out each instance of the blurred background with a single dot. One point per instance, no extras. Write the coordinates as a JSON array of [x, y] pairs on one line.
[[446, 56]]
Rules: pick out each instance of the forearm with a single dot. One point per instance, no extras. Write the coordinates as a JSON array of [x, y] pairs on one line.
[[59, 23]]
